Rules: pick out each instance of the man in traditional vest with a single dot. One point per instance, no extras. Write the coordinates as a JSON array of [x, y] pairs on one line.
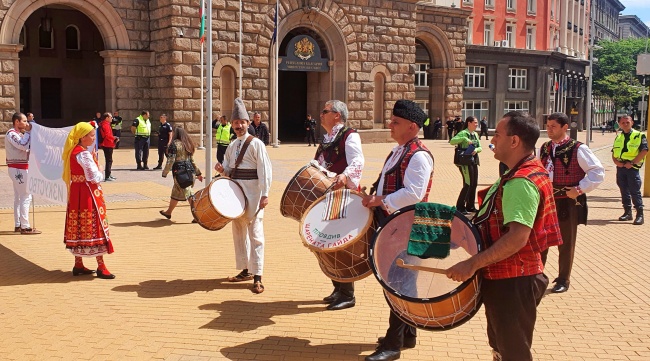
[[141, 128], [517, 221], [628, 153], [17, 143], [574, 171], [247, 163], [404, 180], [340, 153], [222, 136], [116, 125]]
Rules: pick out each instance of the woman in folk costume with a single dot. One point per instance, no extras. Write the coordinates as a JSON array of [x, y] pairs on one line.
[[180, 154], [86, 228]]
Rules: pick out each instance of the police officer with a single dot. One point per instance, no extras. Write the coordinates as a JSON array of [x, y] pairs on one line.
[[222, 136], [116, 125], [141, 128], [164, 139], [628, 153]]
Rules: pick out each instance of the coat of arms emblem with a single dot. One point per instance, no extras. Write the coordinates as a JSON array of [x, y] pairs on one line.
[[304, 49]]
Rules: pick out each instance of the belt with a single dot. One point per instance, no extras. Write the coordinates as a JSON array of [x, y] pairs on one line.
[[77, 178], [244, 174]]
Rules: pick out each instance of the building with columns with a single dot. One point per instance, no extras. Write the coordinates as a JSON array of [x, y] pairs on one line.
[[65, 60], [630, 26], [606, 15]]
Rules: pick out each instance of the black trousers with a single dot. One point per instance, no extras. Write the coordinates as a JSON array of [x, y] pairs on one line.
[[467, 194], [141, 150], [568, 214], [117, 133], [450, 133], [483, 131], [162, 148], [511, 311], [108, 156], [397, 331], [221, 152], [346, 288], [311, 136]]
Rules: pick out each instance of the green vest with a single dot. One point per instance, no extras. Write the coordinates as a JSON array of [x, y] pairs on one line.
[[144, 127], [632, 147], [117, 125], [223, 134]]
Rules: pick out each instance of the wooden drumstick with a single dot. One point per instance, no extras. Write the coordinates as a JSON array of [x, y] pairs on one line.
[[254, 216], [400, 263], [363, 190]]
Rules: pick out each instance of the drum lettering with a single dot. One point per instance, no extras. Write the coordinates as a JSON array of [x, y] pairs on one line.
[[325, 235]]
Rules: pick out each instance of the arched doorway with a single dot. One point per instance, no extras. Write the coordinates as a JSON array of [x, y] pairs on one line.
[[61, 71], [301, 92], [423, 62]]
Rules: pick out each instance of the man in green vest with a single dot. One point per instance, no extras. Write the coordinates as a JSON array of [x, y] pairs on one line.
[[116, 126], [141, 128], [222, 136], [628, 153]]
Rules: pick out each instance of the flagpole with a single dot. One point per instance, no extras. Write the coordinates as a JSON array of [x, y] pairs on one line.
[[208, 105], [276, 72], [241, 74], [202, 99]]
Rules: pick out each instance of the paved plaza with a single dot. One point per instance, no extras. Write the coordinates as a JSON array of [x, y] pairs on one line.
[[171, 300]]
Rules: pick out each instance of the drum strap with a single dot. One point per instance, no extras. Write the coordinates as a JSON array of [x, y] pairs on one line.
[[243, 150]]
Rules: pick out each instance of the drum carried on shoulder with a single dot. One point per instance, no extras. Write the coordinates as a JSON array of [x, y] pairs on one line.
[[222, 201], [416, 289], [310, 183], [337, 228]]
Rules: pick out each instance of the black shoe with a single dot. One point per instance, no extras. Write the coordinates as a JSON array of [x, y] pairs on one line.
[[638, 220], [342, 303], [139, 167], [145, 168], [383, 355], [462, 211], [157, 167], [81, 271], [102, 275], [409, 342], [627, 216], [560, 287], [332, 297], [472, 210]]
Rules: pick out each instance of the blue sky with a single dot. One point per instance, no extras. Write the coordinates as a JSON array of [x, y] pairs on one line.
[[640, 8]]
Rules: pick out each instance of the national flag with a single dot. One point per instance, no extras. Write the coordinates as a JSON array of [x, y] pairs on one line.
[[275, 25], [202, 15]]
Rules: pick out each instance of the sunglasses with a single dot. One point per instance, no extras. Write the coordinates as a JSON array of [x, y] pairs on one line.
[[325, 111]]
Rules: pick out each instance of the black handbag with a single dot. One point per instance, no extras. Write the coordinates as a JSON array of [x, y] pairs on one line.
[[184, 175], [460, 158]]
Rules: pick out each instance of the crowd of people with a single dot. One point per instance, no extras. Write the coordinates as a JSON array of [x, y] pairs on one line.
[[535, 204]]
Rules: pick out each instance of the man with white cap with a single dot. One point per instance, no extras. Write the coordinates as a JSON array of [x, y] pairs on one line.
[[247, 162]]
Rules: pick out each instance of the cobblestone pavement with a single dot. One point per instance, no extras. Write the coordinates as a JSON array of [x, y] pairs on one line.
[[171, 301]]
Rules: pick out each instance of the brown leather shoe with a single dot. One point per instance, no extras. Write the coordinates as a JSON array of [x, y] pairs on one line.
[[17, 229], [29, 231], [241, 277], [258, 287]]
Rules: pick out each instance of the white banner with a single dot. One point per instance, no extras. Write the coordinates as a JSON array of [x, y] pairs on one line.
[[45, 163]]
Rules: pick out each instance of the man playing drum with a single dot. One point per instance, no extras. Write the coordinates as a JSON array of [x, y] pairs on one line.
[[247, 162], [340, 152], [404, 180], [517, 221]]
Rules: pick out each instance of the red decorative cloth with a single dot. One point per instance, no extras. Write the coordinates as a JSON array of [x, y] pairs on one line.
[[394, 178], [86, 227]]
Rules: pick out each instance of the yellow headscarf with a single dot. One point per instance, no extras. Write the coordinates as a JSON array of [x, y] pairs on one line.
[[79, 131]]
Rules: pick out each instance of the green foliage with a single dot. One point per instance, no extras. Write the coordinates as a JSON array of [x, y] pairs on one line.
[[615, 72]]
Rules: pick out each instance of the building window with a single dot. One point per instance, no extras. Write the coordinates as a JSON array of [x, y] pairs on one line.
[[45, 38], [479, 109], [510, 36], [531, 6], [510, 5], [475, 77], [72, 39], [518, 79], [421, 74], [530, 38], [487, 34], [489, 4], [511, 105], [424, 105]]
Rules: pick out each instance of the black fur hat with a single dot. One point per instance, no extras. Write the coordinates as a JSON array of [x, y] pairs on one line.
[[409, 110]]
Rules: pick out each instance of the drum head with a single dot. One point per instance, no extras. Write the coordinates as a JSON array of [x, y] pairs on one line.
[[227, 197], [391, 242], [323, 235]]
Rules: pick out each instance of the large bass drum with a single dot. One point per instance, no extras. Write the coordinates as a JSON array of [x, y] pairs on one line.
[[424, 299]]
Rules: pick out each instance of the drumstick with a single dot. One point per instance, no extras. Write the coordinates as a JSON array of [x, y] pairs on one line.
[[254, 216], [400, 263], [363, 191]]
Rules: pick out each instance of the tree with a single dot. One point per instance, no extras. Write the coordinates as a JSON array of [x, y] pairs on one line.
[[615, 71]]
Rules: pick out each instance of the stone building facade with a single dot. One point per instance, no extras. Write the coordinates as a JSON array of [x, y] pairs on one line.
[[146, 55]]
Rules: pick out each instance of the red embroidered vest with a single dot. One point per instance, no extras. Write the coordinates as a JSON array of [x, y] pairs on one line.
[[544, 234], [334, 151], [394, 177], [566, 169]]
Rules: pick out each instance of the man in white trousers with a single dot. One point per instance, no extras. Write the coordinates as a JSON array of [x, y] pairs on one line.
[[247, 163]]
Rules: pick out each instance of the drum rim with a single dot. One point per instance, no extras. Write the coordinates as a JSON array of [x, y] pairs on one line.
[[355, 239], [470, 315], [286, 189], [385, 286], [240, 188]]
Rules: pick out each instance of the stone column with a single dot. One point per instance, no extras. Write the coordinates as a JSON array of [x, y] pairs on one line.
[[437, 94], [9, 80], [542, 97], [127, 82], [454, 92]]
